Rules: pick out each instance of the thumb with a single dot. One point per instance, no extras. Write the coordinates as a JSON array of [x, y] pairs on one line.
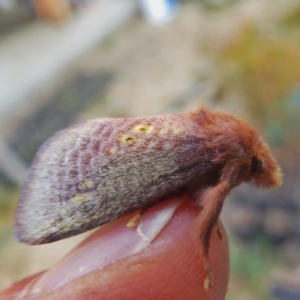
[[161, 259]]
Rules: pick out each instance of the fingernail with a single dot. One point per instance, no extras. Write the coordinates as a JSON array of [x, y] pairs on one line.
[[110, 243]]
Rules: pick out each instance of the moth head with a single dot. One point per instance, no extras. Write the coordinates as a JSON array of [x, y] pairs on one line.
[[264, 170]]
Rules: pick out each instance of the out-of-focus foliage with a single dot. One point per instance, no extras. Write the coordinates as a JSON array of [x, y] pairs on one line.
[[252, 264], [283, 126], [8, 198], [266, 67], [291, 21]]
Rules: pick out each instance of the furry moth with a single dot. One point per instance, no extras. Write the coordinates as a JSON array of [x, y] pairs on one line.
[[101, 169]]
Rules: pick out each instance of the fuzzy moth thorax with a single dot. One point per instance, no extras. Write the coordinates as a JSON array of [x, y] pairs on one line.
[[236, 143]]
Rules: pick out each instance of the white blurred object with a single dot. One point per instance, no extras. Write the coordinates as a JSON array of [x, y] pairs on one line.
[[7, 5], [159, 12]]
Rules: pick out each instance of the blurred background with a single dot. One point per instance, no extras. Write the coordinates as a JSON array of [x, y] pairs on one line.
[[62, 61]]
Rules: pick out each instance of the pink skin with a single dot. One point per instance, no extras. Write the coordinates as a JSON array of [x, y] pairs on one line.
[[160, 260]]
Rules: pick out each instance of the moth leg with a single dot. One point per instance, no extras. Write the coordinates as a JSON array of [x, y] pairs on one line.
[[217, 232], [134, 222], [211, 203]]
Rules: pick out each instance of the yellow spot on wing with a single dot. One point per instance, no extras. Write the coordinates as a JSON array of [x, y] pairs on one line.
[[177, 130], [128, 139], [77, 198], [171, 130], [86, 185], [143, 128]]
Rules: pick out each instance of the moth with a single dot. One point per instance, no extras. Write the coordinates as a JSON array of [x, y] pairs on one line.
[[101, 169]]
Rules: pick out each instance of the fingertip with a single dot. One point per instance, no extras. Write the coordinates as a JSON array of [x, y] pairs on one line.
[[18, 289], [171, 267]]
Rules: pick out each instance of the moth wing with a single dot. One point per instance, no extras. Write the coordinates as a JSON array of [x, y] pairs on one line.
[[99, 170]]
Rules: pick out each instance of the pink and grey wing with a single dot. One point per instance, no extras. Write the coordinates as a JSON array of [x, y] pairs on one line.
[[98, 170], [60, 174]]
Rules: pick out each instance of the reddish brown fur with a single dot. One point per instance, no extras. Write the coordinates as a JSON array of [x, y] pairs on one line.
[[232, 136]]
